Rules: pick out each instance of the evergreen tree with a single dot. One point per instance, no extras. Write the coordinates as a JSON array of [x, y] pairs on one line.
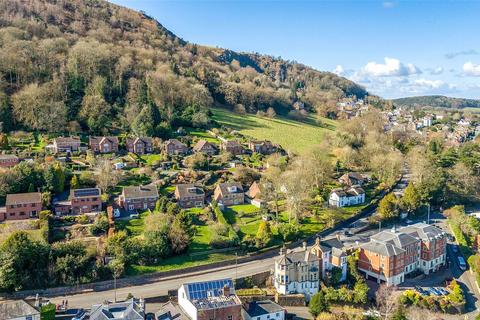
[[387, 208], [74, 184], [318, 304]]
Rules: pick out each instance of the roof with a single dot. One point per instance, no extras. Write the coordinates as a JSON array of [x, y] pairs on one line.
[[175, 142], [398, 239], [210, 294], [140, 191], [353, 175], [16, 309], [384, 249], [260, 308], [296, 257], [423, 231], [23, 198], [128, 310], [232, 143], [85, 193], [170, 311], [65, 140], [133, 140], [203, 144], [230, 187], [110, 139], [8, 156], [189, 189]]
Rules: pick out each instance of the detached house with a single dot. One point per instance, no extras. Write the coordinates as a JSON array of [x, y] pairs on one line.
[[23, 205], [8, 160], [352, 179], [189, 196], [66, 144], [229, 194], [139, 145], [85, 200], [173, 146], [133, 309], [262, 147], [205, 147], [138, 197], [104, 144], [349, 197], [232, 146]]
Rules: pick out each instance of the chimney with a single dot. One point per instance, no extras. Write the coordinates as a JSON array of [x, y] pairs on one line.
[[317, 241], [338, 236], [226, 291], [304, 245]]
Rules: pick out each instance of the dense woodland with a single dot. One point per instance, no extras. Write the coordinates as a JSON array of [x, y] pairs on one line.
[[88, 65], [437, 102]]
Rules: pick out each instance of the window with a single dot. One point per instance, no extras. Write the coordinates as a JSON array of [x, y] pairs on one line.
[[230, 317]]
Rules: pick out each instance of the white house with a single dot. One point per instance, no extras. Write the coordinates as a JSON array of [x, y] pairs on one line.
[[345, 198], [263, 310]]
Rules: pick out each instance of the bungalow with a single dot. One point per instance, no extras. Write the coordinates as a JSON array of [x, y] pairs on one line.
[[104, 144], [229, 194], [85, 200], [8, 160], [262, 147], [205, 147], [23, 205], [66, 144], [173, 146], [352, 178], [138, 197], [139, 145], [232, 146], [349, 197], [189, 196]]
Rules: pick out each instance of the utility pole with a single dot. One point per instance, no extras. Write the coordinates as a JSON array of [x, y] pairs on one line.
[[379, 225], [115, 287], [236, 265], [428, 213]]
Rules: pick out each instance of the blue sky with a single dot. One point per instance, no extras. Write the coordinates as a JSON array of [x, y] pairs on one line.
[[393, 48]]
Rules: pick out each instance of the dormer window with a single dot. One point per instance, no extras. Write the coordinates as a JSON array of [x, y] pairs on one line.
[[232, 189]]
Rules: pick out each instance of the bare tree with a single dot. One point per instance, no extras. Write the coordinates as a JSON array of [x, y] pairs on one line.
[[105, 176], [387, 300]]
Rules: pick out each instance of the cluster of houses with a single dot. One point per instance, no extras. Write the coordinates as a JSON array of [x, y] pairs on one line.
[[351, 108]]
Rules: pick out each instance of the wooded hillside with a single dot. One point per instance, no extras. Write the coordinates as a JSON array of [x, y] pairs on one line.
[[437, 102], [88, 65]]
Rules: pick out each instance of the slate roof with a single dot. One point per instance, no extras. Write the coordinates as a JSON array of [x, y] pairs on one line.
[[297, 256], [134, 140], [16, 309], [67, 140], [382, 248], [170, 311], [399, 239], [260, 308], [128, 310], [85, 193], [135, 192], [23, 198], [188, 189], [423, 231]]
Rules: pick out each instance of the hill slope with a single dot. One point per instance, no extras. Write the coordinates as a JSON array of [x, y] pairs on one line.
[[437, 102], [89, 65]]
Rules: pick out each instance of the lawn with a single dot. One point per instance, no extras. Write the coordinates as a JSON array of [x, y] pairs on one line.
[[290, 134], [150, 159], [203, 135], [134, 227]]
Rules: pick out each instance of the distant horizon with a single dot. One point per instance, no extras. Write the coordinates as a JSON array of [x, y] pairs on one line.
[[394, 49]]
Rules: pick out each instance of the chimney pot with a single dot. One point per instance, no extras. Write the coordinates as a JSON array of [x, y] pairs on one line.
[[226, 291], [304, 245]]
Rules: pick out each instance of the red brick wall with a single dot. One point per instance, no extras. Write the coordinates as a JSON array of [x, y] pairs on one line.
[[19, 212], [87, 205], [221, 314]]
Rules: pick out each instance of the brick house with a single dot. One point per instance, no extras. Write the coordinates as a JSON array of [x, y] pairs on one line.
[[85, 200], [8, 160], [262, 147], [232, 146], [189, 196], [103, 144], [23, 205], [205, 147], [173, 146], [66, 144], [138, 197], [208, 300], [254, 195], [390, 255], [352, 178], [139, 145], [229, 194]]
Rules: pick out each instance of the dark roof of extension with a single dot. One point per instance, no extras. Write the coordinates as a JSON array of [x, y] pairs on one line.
[[85, 193]]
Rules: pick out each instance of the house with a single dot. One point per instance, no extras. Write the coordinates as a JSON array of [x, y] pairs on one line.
[[232, 146], [8, 160], [138, 197], [103, 144], [170, 311], [189, 196], [173, 146], [300, 272], [390, 255], [263, 310], [86, 200], [352, 178], [23, 205], [133, 309], [262, 147], [208, 300], [139, 145], [254, 195], [349, 197], [206, 147], [66, 145], [18, 310], [229, 194]]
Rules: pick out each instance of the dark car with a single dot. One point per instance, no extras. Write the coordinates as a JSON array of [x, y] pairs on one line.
[[454, 248]]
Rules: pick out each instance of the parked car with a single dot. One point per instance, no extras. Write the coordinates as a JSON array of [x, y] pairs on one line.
[[461, 263], [454, 248]]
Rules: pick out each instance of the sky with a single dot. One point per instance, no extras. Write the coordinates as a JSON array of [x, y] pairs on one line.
[[393, 48]]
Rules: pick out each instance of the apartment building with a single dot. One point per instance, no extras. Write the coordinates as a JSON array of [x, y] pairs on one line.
[[391, 255]]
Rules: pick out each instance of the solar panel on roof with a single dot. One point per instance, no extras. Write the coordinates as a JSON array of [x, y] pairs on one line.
[[86, 192], [201, 290]]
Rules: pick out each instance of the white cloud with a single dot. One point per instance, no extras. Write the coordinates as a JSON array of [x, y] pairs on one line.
[[388, 4], [471, 69], [452, 55], [436, 71], [339, 70], [391, 68]]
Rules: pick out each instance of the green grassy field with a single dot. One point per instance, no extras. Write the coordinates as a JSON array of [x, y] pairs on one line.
[[292, 135]]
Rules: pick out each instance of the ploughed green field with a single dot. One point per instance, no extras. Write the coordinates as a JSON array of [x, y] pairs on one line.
[[292, 135]]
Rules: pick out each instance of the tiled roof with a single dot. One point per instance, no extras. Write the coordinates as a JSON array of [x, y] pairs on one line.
[[16, 310], [226, 188], [140, 191], [23, 198], [113, 140], [188, 189], [201, 144], [384, 249]]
